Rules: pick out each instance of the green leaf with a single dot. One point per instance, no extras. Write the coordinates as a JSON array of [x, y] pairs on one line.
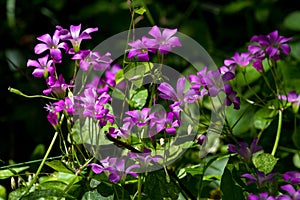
[[139, 98], [157, 181], [264, 162], [296, 137], [236, 6], [296, 160], [291, 21], [295, 50], [229, 189], [46, 194], [59, 166], [66, 178], [140, 11], [2, 192], [263, 118], [6, 173]]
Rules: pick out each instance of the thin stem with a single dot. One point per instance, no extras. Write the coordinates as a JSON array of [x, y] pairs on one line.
[[140, 183], [18, 92], [42, 163], [278, 133]]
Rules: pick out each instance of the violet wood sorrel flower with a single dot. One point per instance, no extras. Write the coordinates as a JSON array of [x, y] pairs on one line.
[[243, 149], [57, 86], [242, 59], [138, 117], [144, 158], [261, 196], [88, 59], [260, 179], [270, 44], [169, 93], [293, 98], [164, 121], [115, 168], [140, 49], [292, 193], [43, 67], [292, 176], [74, 36], [51, 44], [163, 41]]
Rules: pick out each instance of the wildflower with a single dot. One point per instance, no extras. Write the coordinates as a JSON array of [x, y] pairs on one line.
[[88, 59], [168, 92], [292, 176], [115, 168], [291, 97], [138, 117], [242, 59], [292, 193], [164, 41], [227, 73], [231, 97], [74, 36], [270, 44], [260, 179], [42, 67], [65, 105], [164, 121], [207, 82], [144, 158], [56, 86], [243, 149], [52, 116], [261, 196], [139, 49], [51, 44]]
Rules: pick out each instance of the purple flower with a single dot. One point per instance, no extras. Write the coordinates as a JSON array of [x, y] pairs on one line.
[[260, 179], [207, 82], [115, 168], [231, 97], [292, 176], [74, 35], [242, 59], [270, 44], [293, 194], [164, 121], [51, 44], [291, 97], [227, 73], [90, 59], [52, 116], [139, 49], [56, 86], [261, 196], [138, 117], [66, 105], [164, 41], [168, 92], [243, 149], [144, 158], [42, 67], [92, 105]]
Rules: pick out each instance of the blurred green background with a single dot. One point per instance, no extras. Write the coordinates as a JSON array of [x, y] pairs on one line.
[[222, 27]]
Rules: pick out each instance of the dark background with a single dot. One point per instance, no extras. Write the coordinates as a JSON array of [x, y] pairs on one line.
[[222, 27]]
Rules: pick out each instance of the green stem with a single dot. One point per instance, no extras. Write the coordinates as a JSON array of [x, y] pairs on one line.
[[42, 163], [140, 183], [18, 92], [278, 133]]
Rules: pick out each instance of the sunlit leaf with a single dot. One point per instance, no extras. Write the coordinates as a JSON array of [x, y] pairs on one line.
[[263, 118], [140, 11], [59, 166], [6, 173], [265, 162], [291, 21], [94, 195], [229, 189]]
